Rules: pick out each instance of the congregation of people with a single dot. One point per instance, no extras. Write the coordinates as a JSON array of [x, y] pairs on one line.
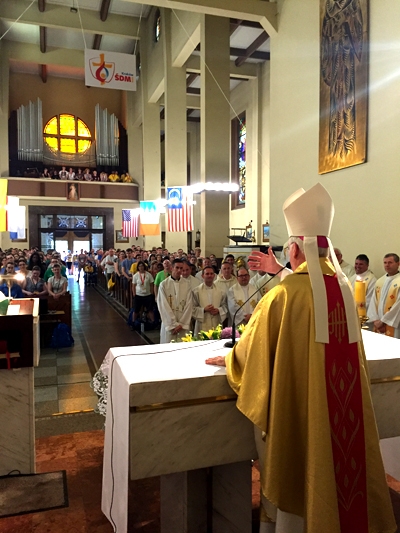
[[186, 292], [86, 175], [182, 292]]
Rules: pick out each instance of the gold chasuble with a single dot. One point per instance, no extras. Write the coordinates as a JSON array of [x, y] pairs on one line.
[[313, 401]]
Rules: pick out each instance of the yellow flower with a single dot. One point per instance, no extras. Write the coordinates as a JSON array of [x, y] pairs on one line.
[[187, 338], [241, 328]]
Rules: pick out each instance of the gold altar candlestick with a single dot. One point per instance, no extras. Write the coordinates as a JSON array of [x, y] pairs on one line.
[[360, 292]]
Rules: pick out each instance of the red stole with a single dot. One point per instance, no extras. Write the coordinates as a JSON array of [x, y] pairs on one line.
[[344, 395]]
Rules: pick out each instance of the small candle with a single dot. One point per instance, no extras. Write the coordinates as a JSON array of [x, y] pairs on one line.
[[360, 296]]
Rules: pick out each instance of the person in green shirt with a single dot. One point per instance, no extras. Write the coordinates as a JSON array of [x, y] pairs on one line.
[[161, 276], [49, 271]]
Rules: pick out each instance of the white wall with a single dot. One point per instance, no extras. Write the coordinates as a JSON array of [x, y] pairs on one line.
[[252, 96], [365, 196]]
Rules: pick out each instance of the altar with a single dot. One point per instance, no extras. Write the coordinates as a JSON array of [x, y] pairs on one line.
[[171, 415]]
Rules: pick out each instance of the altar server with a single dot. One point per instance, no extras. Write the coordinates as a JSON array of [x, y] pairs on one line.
[[300, 374], [384, 309], [209, 303], [174, 300]]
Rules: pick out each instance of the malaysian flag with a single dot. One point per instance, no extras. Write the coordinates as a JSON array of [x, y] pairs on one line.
[[130, 222], [180, 209]]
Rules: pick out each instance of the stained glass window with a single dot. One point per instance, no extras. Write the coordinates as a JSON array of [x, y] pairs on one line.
[[238, 166], [242, 160], [157, 26], [68, 134]]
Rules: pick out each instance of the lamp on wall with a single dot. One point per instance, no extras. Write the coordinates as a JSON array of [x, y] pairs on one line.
[[198, 235]]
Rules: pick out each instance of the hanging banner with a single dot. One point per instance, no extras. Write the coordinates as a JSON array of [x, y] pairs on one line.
[[3, 204], [110, 70], [180, 209], [12, 216], [149, 219], [130, 222]]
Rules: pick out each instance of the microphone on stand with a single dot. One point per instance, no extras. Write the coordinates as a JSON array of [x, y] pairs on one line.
[[232, 342]]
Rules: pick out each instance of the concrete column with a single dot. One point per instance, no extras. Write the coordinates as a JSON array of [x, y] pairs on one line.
[[4, 111], [175, 128], [151, 145], [215, 131], [135, 144], [194, 159]]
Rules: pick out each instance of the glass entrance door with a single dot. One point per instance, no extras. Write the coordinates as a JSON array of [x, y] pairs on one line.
[[80, 245]]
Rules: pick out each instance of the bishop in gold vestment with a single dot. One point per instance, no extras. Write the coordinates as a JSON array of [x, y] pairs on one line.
[[279, 373], [300, 374]]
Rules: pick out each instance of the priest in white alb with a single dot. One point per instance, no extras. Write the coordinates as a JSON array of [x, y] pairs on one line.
[[225, 279], [300, 374], [363, 273], [175, 304], [264, 282], [384, 309], [242, 298], [209, 303]]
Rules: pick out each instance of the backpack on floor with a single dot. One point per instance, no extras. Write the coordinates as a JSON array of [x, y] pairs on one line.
[[62, 337]]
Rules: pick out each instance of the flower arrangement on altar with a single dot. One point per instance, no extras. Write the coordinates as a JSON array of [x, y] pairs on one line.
[[213, 334], [99, 382]]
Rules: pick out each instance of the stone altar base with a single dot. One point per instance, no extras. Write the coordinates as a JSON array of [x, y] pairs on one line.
[[214, 499]]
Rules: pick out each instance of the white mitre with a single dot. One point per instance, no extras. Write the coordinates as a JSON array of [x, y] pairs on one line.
[[309, 215]]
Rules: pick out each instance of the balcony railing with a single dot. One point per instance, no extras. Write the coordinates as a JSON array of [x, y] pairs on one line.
[[55, 189]]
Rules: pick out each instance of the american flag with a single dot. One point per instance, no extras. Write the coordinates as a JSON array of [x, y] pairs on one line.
[[180, 209], [130, 222]]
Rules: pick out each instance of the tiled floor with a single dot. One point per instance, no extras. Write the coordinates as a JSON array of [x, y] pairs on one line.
[[81, 455], [62, 380]]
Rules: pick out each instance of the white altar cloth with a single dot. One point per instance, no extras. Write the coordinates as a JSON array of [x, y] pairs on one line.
[[141, 364], [169, 362]]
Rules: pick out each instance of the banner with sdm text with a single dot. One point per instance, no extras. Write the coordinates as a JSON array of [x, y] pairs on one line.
[[110, 70]]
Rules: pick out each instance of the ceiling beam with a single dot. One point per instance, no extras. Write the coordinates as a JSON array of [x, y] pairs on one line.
[[264, 56], [255, 45], [42, 5], [97, 41], [235, 25], [43, 73], [245, 23], [246, 71], [265, 13], [53, 56], [191, 78], [104, 9], [192, 101], [42, 39], [237, 78], [60, 17]]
